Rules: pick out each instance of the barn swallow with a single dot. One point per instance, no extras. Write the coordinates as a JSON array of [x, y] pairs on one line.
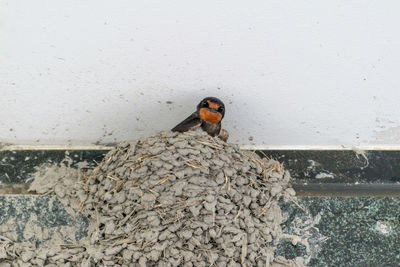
[[209, 114]]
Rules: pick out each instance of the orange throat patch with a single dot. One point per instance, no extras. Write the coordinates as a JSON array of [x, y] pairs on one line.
[[209, 116]]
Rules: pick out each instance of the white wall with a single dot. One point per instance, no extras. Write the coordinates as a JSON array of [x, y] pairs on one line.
[[292, 73]]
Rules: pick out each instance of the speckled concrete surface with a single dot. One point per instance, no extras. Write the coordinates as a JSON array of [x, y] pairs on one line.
[[340, 231], [37, 219], [348, 232]]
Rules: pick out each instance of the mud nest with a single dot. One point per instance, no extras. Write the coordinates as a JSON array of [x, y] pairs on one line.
[[177, 199]]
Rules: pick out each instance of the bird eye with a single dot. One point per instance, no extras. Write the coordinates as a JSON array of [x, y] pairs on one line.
[[205, 103], [221, 109]]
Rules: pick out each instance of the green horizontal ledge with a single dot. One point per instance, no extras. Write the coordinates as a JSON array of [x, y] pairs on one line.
[[305, 166], [347, 190], [339, 166]]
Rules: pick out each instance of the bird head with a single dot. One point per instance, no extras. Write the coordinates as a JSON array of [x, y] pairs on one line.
[[211, 110]]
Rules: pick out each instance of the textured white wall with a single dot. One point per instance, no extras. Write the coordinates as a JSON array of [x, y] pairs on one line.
[[292, 73]]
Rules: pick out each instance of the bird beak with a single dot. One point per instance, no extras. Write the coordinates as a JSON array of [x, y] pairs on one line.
[[213, 110]]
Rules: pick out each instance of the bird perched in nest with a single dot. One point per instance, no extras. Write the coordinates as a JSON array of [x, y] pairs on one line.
[[209, 114]]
